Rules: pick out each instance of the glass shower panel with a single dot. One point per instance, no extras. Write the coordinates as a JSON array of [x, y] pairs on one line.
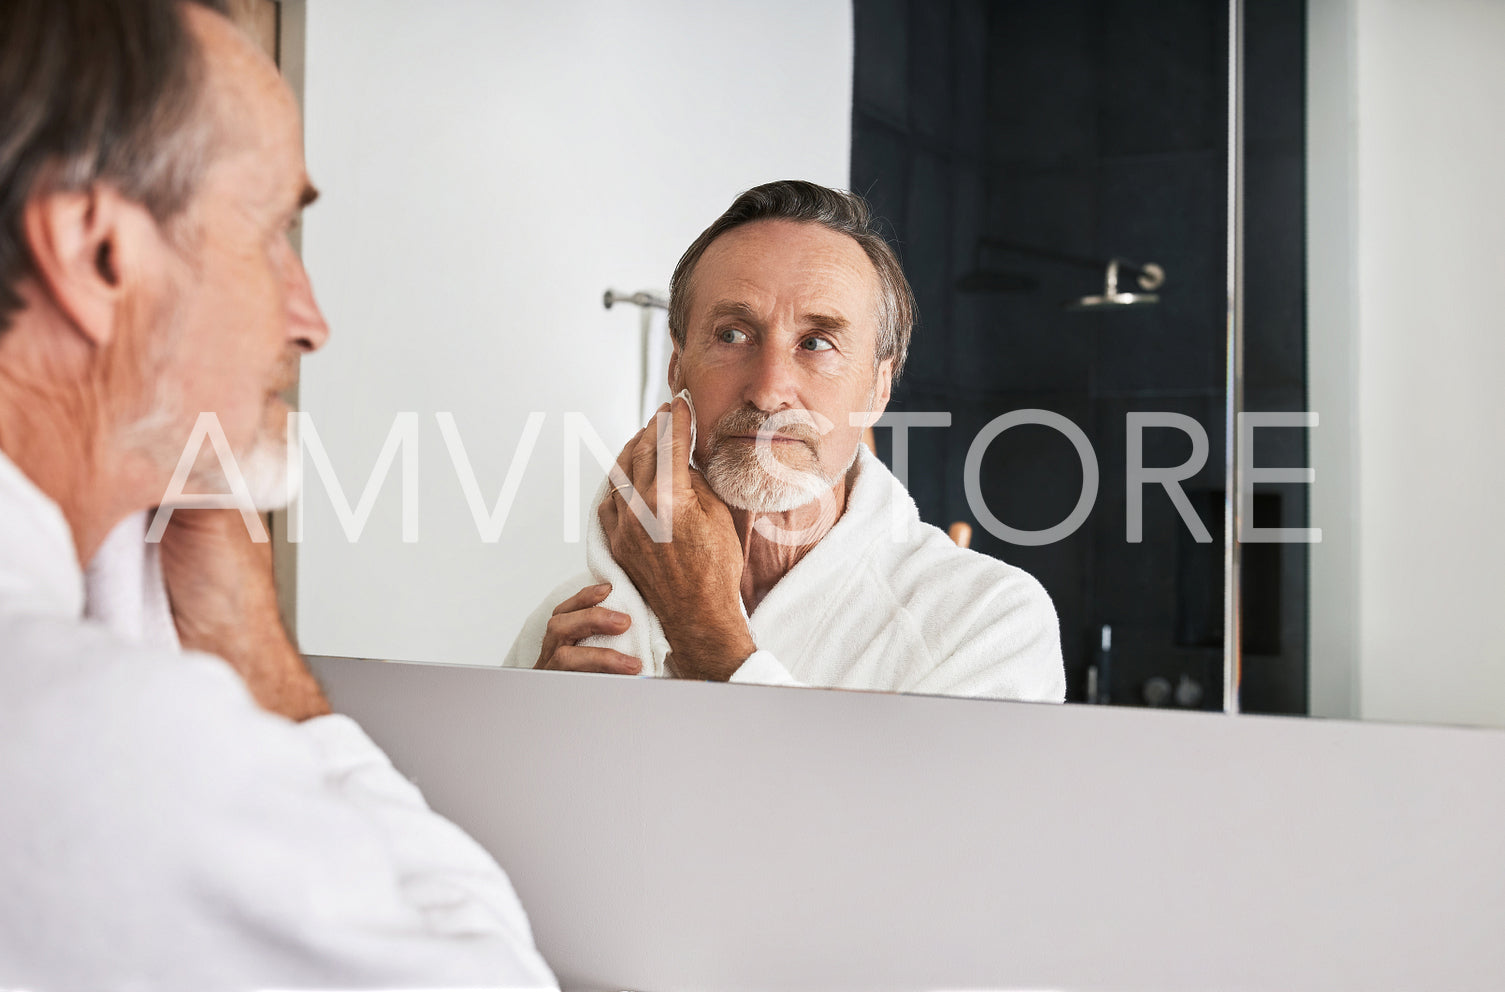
[[1016, 149]]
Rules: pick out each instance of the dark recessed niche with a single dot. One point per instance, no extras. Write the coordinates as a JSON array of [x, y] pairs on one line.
[[1199, 579]]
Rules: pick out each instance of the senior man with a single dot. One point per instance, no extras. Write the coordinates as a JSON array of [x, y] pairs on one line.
[[162, 829], [796, 557]]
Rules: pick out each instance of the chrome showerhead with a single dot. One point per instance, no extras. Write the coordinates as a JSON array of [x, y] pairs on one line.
[[1113, 302], [1151, 276]]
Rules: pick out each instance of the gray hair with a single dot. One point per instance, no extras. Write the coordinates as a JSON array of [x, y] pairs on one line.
[[836, 210], [96, 91]]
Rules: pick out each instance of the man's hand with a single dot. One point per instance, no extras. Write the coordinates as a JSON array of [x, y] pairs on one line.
[[224, 602], [693, 582], [573, 621]]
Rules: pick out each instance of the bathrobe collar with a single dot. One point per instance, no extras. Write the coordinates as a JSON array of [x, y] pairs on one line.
[[876, 505], [39, 571]]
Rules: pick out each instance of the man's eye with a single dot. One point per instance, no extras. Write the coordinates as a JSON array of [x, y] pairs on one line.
[[731, 335], [816, 344]]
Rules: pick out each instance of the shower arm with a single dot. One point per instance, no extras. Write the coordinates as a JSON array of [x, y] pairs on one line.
[[1149, 275]]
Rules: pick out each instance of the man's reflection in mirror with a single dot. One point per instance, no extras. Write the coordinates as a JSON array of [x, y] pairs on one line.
[[797, 557]]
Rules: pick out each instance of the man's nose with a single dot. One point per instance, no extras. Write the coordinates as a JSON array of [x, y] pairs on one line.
[[306, 327], [775, 380]]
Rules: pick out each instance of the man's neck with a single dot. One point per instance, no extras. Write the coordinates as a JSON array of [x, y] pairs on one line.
[[773, 543], [49, 431]]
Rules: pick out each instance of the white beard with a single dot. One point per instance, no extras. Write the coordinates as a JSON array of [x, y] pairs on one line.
[[754, 479], [273, 479], [748, 487], [270, 479], [744, 483]]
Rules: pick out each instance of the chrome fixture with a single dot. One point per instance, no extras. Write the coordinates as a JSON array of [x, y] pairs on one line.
[[642, 298], [983, 279], [1149, 276]]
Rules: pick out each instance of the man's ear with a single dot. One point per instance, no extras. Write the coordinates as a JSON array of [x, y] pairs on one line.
[[76, 245], [674, 370], [884, 385]]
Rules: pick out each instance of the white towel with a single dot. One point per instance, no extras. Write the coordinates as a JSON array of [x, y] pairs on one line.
[[123, 587], [644, 639], [657, 348]]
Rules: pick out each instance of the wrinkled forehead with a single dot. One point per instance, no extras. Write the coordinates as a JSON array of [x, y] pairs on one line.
[[768, 264], [244, 94], [254, 115]]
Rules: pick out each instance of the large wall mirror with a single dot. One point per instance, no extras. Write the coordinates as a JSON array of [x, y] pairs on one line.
[[489, 171]]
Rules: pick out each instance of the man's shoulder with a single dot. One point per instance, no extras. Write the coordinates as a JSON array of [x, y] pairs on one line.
[[59, 659], [77, 692]]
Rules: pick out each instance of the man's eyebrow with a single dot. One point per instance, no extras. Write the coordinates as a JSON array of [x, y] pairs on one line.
[[737, 310], [826, 321], [308, 196], [733, 310]]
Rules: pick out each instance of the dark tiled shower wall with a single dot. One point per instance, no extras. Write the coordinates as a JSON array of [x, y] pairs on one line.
[[1098, 128]]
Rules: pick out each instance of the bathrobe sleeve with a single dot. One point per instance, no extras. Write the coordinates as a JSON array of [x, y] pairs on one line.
[[762, 668], [178, 831]]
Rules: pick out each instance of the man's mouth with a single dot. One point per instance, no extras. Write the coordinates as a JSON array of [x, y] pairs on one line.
[[785, 443], [778, 441]]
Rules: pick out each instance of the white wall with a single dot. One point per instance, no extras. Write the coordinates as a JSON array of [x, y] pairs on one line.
[[1422, 330], [488, 169]]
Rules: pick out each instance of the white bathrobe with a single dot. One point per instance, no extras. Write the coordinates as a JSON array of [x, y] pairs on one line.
[[883, 602], [160, 831]]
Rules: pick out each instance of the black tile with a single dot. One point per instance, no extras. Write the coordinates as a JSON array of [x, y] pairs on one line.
[[969, 197], [1053, 209], [927, 242], [1278, 447], [1275, 77], [1021, 343], [1275, 271], [880, 173], [1041, 83], [1162, 81], [1169, 211], [969, 76], [880, 79], [1139, 580], [930, 69]]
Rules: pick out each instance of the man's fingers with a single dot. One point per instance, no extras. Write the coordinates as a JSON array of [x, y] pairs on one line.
[[589, 596], [602, 660], [607, 513], [567, 628], [679, 439], [620, 474], [644, 457], [564, 629]]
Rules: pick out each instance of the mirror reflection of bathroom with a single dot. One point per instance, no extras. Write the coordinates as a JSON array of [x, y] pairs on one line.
[[1054, 174]]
